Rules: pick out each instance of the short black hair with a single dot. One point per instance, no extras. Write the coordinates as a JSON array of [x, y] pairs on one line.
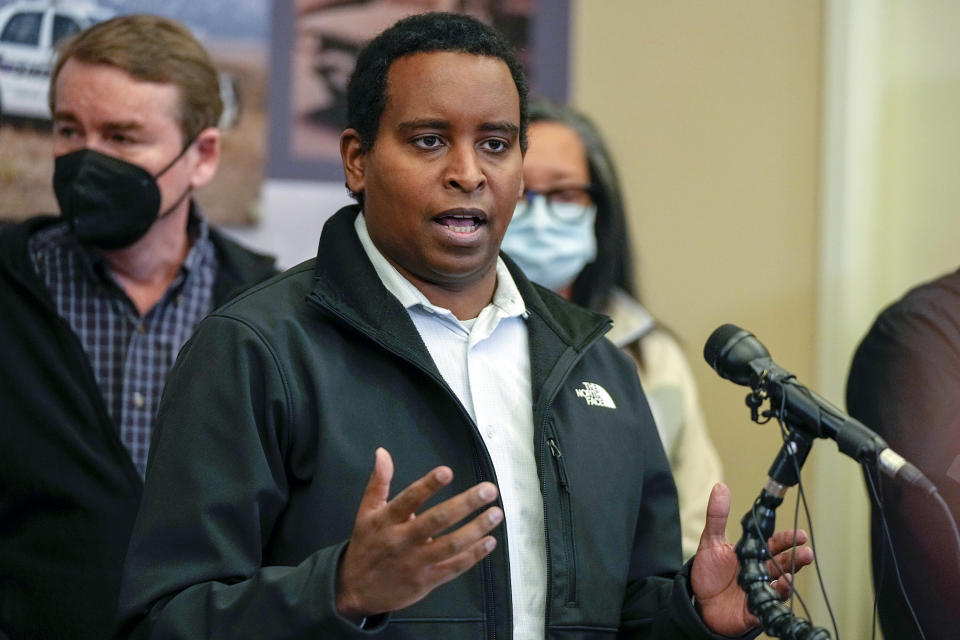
[[422, 33], [613, 266]]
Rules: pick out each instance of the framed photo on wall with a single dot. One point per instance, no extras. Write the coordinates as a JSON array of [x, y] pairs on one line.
[[314, 46], [235, 33]]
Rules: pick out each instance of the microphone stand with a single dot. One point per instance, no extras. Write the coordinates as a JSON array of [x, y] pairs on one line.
[[758, 523], [738, 356]]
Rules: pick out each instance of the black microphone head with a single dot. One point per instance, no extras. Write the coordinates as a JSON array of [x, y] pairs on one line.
[[730, 350]]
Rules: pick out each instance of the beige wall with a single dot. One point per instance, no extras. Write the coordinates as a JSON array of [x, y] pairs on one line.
[[712, 110], [790, 166]]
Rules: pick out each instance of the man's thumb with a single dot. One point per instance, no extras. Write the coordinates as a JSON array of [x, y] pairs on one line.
[[718, 510]]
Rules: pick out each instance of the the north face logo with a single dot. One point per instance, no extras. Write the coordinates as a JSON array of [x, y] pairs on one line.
[[595, 395]]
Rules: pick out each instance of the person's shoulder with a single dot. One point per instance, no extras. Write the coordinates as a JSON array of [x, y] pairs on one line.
[[631, 320], [273, 296], [27, 227], [941, 294], [238, 267], [931, 309], [632, 323], [242, 257], [15, 239], [661, 349]]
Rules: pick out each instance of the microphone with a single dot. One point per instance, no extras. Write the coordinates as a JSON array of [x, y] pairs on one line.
[[738, 356]]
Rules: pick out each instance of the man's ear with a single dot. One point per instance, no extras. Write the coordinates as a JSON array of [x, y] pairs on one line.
[[207, 153], [353, 159]]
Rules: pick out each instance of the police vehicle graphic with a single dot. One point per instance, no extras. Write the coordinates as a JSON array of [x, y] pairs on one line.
[[29, 33]]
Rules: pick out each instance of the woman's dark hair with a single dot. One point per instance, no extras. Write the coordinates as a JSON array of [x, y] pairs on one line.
[[422, 33], [613, 266]]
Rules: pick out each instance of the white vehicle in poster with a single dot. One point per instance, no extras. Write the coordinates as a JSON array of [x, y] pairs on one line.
[[29, 32]]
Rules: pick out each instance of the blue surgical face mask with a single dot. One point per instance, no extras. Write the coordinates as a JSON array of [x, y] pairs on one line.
[[552, 249]]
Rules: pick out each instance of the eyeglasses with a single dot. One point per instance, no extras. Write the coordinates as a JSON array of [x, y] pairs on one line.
[[556, 198]]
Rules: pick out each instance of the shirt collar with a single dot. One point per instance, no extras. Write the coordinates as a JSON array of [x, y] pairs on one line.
[[94, 263], [506, 296]]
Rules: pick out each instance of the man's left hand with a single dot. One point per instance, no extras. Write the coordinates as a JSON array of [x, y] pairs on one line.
[[723, 604]]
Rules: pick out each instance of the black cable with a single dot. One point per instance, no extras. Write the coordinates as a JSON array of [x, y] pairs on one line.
[[753, 549], [816, 559], [893, 555], [793, 558], [816, 562], [883, 568], [796, 523], [806, 510]]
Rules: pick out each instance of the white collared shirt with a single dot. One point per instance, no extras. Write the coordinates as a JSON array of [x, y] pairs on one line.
[[486, 362]]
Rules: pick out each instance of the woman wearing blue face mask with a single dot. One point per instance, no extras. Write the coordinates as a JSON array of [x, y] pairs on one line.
[[572, 205]]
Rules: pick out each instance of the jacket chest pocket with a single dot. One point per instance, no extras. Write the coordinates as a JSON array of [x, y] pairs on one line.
[[567, 527]]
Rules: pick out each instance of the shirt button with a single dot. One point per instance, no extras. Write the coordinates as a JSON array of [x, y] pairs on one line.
[[490, 432], [138, 400], [141, 328]]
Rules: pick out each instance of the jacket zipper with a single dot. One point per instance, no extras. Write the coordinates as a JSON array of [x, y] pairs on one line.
[[585, 344], [566, 518], [477, 463]]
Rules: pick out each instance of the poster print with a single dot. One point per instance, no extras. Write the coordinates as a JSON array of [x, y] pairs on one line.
[[233, 31], [314, 48]]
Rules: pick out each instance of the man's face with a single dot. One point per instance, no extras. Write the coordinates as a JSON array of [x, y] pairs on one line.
[[445, 172], [103, 108]]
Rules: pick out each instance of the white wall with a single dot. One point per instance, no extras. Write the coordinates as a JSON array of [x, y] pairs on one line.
[[293, 214]]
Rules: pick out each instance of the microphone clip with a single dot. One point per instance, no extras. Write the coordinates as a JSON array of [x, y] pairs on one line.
[[755, 400], [757, 396]]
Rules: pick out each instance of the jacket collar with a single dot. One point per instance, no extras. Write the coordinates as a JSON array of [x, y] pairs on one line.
[[346, 283], [236, 267]]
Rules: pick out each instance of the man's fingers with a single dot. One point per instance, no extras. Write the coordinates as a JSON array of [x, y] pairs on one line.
[[791, 560], [451, 568], [406, 503], [448, 513], [783, 540], [786, 557], [378, 487], [440, 550], [718, 509], [783, 585]]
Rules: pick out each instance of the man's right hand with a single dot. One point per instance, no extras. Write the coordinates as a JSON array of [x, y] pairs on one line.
[[393, 558]]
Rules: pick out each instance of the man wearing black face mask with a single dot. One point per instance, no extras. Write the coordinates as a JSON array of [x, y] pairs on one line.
[[95, 306]]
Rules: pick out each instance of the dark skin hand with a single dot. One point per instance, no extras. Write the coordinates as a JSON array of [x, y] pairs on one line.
[[723, 604], [397, 556]]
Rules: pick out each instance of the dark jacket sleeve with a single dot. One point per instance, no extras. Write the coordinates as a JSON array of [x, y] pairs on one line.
[[658, 603], [905, 384], [215, 487]]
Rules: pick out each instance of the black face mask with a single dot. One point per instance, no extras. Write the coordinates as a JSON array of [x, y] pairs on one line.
[[109, 203]]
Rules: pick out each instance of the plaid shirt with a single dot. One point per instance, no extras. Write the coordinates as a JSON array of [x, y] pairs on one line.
[[130, 353]]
